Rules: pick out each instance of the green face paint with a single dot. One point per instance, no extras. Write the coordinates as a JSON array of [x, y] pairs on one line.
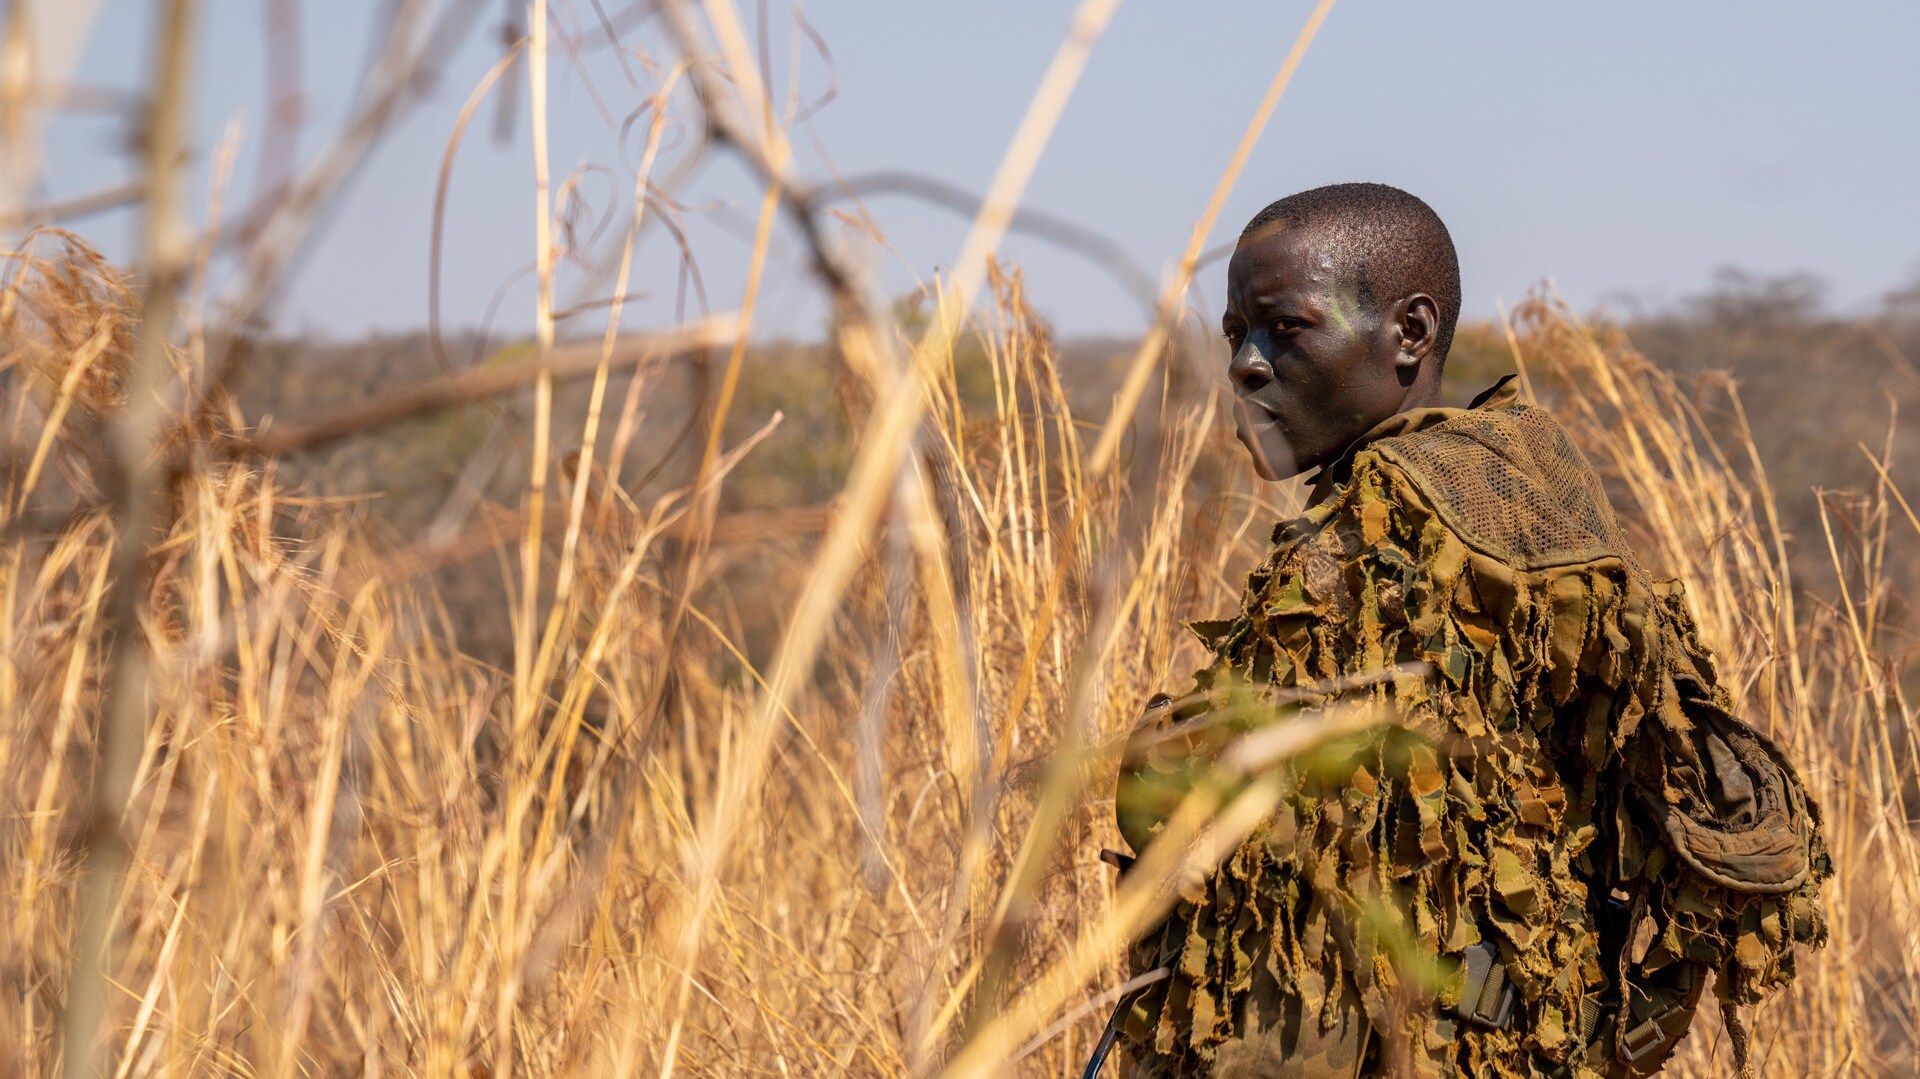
[[1313, 368]]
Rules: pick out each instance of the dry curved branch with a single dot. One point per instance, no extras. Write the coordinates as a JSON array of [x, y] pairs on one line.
[[562, 362], [1088, 243]]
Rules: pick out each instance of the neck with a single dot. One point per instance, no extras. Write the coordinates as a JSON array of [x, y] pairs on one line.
[[1425, 388], [1424, 393]]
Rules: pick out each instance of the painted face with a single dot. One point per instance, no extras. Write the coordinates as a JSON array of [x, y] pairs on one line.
[[1313, 365]]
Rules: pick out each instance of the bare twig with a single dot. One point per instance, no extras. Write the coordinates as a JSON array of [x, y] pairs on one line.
[[435, 246], [93, 202], [1089, 244], [564, 362], [275, 235]]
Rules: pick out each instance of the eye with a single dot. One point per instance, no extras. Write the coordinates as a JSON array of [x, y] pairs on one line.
[[1234, 332], [1287, 324]]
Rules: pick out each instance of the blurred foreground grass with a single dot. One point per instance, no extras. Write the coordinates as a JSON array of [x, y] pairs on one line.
[[361, 844]]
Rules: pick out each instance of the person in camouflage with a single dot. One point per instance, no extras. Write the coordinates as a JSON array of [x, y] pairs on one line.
[[1531, 872]]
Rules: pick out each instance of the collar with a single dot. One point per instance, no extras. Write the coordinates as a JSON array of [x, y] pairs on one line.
[[1499, 395]]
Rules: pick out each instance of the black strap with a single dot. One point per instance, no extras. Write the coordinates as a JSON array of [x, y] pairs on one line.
[[1118, 1019], [1103, 1047]]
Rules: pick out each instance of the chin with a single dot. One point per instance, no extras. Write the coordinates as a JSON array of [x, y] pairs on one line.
[[1264, 465], [1269, 463]]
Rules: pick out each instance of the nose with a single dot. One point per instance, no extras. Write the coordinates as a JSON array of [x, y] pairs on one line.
[[1249, 370]]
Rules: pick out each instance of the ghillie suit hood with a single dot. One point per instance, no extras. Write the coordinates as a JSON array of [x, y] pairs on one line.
[[1567, 807]]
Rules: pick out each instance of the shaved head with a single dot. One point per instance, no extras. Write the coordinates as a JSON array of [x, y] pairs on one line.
[[1341, 303], [1394, 243]]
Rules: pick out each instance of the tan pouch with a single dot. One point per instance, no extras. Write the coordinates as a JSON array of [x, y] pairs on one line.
[[1733, 809]]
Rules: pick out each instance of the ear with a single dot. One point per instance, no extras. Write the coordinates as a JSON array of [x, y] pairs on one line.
[[1419, 329]]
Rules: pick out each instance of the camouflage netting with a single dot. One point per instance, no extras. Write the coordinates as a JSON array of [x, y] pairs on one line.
[[1566, 782]]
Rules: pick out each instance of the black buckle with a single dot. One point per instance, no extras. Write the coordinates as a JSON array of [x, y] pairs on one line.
[[1487, 998], [1660, 1031], [1643, 1038]]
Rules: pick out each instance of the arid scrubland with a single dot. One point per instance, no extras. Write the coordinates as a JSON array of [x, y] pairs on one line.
[[356, 848], [666, 726]]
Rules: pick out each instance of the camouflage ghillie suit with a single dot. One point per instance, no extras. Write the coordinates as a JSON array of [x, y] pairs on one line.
[[1566, 809]]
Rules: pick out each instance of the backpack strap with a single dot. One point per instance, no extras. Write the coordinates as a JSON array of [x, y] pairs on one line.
[[1632, 1038]]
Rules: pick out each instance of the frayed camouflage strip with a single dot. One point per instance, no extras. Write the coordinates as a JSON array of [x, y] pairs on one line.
[[1483, 816]]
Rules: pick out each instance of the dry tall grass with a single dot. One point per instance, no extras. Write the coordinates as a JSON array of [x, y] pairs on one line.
[[808, 805], [356, 850]]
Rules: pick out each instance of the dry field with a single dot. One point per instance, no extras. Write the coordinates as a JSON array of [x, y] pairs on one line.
[[815, 794], [351, 848]]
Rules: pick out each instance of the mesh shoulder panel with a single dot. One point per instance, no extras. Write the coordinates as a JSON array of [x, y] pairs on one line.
[[1512, 485]]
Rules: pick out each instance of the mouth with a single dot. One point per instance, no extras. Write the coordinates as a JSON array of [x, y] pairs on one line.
[[1252, 415]]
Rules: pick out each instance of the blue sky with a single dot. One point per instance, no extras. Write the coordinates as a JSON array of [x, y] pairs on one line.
[[1621, 149]]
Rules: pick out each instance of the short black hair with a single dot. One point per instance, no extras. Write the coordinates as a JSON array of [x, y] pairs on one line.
[[1395, 240]]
